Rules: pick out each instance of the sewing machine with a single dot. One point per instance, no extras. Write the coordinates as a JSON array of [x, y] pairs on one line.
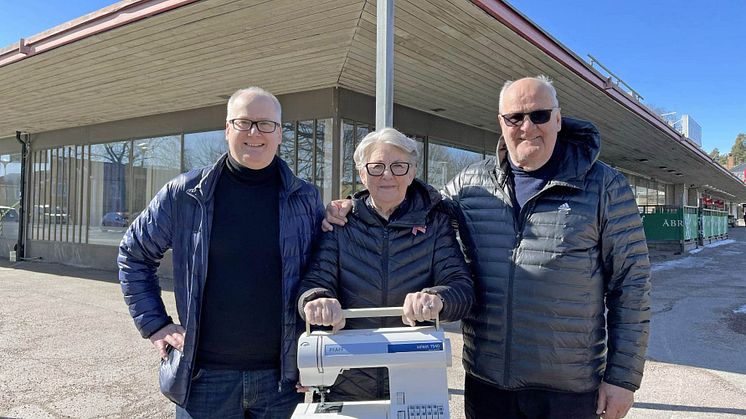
[[416, 358]]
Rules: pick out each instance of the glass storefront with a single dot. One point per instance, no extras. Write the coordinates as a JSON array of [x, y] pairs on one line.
[[91, 193], [10, 194], [203, 149], [650, 193], [444, 162]]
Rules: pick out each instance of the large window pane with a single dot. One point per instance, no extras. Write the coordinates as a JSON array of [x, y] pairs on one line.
[[352, 134], [287, 147], [50, 203], [421, 152], [109, 206], [652, 192], [641, 191], [305, 151], [203, 148], [347, 180], [10, 192], [444, 162], [324, 143], [155, 162]]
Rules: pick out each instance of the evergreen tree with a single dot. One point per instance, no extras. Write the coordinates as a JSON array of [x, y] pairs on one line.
[[738, 151], [721, 159]]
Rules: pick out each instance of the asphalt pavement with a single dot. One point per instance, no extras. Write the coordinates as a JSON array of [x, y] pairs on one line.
[[69, 349]]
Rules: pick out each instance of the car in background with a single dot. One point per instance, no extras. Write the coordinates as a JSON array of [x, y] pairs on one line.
[[8, 222], [114, 221], [8, 214]]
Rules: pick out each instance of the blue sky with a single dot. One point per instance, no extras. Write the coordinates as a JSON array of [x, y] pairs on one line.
[[683, 56], [687, 57]]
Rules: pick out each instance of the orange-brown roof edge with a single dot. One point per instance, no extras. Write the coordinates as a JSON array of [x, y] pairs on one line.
[[114, 16]]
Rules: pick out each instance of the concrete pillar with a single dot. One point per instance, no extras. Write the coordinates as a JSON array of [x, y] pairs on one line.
[[679, 197], [693, 196]]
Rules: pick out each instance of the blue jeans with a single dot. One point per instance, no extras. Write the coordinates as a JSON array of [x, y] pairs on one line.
[[239, 394]]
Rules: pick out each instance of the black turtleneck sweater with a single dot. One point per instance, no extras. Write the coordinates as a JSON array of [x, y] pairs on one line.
[[526, 184], [241, 321]]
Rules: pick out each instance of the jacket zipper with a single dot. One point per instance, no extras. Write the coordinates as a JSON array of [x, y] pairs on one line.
[[282, 299], [385, 284], [521, 220], [203, 275], [384, 287]]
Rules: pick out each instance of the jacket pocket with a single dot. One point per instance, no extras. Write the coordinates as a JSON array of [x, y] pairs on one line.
[[168, 376]]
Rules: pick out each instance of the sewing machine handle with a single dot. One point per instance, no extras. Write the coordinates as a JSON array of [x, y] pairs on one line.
[[356, 313]]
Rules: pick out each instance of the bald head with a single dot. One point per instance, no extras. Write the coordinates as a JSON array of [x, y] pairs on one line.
[[532, 84], [243, 96]]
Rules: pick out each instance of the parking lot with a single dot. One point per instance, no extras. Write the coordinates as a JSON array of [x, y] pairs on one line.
[[68, 347]]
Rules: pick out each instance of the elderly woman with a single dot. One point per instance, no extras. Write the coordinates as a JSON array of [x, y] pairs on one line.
[[397, 249]]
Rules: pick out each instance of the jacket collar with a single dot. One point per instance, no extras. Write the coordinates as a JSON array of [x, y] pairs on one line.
[[421, 199], [205, 188]]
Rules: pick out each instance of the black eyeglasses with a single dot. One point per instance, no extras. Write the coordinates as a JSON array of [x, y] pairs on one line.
[[246, 124], [398, 168], [538, 117]]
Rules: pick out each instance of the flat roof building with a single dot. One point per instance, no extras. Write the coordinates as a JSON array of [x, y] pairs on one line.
[[112, 105]]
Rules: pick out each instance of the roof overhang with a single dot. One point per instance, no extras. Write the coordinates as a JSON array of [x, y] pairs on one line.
[[139, 58]]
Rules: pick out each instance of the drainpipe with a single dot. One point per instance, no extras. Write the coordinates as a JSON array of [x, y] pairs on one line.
[[20, 245]]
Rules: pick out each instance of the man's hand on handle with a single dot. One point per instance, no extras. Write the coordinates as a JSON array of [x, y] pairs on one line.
[[169, 335]]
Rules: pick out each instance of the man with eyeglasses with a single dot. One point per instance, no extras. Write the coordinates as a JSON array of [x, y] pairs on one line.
[[241, 232], [560, 324]]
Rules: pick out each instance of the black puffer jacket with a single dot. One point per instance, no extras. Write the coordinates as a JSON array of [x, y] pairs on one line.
[[541, 280], [369, 264]]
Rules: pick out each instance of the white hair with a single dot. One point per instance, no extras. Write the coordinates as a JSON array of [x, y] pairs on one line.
[[384, 136], [251, 92], [544, 80]]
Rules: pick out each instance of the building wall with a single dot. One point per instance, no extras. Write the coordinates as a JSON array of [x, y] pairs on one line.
[[80, 179]]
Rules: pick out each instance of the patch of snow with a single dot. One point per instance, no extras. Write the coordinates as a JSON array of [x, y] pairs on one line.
[[741, 310], [720, 243], [683, 263]]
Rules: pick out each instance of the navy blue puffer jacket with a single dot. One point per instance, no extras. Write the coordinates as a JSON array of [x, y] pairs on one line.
[[180, 218]]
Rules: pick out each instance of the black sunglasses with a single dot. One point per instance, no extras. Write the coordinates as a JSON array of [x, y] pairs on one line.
[[515, 119]]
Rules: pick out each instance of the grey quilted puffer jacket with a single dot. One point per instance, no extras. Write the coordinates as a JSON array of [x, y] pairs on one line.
[[369, 264], [543, 280]]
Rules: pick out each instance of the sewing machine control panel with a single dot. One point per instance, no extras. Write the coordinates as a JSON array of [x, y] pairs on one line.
[[423, 411]]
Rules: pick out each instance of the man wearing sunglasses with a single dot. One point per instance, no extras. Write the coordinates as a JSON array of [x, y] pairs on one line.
[[241, 232], [560, 323], [569, 246]]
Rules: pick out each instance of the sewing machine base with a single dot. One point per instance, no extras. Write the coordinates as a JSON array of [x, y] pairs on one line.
[[378, 409]]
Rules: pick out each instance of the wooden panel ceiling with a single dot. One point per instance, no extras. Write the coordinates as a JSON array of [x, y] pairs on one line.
[[449, 54], [187, 58]]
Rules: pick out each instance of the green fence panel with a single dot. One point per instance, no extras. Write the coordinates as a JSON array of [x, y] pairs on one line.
[[714, 223], [723, 224], [690, 225], [706, 226], [664, 225]]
